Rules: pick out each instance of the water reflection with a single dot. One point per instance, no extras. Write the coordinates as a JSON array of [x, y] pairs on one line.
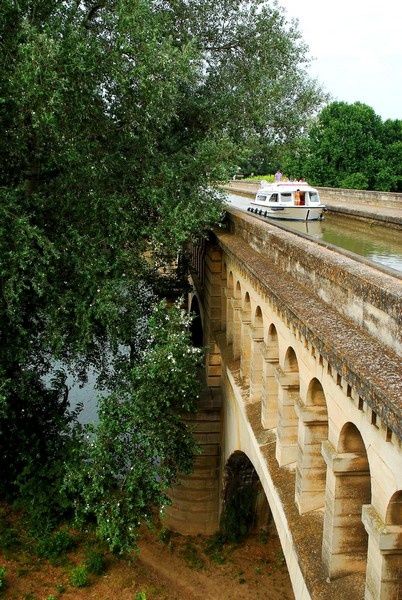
[[83, 395], [86, 395], [379, 244]]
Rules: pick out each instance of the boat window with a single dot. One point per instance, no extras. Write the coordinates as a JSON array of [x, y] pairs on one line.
[[314, 197], [261, 198], [274, 198], [286, 197]]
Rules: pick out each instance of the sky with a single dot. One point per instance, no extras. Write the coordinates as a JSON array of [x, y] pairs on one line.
[[357, 49]]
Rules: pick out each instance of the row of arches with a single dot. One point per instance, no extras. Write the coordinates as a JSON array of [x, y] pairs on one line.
[[331, 475]]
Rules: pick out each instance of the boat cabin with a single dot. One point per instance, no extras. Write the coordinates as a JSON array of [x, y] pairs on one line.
[[297, 197]]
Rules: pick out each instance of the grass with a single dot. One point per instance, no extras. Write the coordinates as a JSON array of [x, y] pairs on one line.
[[2, 578], [9, 537], [56, 545], [269, 178], [79, 576], [214, 548], [192, 557], [95, 562]]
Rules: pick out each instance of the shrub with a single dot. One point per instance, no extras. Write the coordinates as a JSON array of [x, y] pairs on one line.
[[141, 596], [165, 535], [214, 548], [237, 515], [269, 178], [192, 557], [354, 181], [8, 538], [2, 578], [79, 576], [95, 562], [55, 545], [386, 180]]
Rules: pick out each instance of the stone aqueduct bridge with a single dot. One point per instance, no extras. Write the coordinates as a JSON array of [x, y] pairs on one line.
[[304, 351]]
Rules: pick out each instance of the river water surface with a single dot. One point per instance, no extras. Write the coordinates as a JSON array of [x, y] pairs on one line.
[[377, 243]]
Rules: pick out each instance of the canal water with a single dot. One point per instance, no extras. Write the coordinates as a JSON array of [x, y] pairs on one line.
[[376, 243]]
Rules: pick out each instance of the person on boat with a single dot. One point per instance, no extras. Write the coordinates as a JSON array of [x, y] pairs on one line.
[[278, 175], [300, 198]]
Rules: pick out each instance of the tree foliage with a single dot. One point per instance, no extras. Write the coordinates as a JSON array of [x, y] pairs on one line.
[[116, 118], [350, 146], [126, 463]]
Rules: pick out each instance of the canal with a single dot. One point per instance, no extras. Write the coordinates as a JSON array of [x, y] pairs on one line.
[[376, 243]]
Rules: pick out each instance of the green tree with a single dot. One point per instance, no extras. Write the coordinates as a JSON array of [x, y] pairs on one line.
[[349, 146], [116, 118], [344, 140]]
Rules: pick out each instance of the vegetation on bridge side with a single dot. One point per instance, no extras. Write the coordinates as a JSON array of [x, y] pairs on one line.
[[115, 116]]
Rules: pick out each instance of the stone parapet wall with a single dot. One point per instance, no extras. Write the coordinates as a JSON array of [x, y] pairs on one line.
[[366, 197], [370, 298]]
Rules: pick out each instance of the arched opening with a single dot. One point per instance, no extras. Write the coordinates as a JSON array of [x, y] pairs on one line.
[[245, 506], [291, 365], [224, 291], [237, 322], [246, 513], [288, 397], [256, 357], [245, 343], [348, 489], [384, 559], [197, 334], [311, 468], [391, 575], [394, 511], [229, 309], [269, 396]]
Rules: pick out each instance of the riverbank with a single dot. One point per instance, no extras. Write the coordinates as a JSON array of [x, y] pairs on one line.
[[168, 567], [363, 206]]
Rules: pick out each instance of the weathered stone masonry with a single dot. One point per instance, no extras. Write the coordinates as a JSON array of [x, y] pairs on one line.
[[304, 346]]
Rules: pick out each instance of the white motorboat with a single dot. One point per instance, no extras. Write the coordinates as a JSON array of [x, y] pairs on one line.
[[288, 200]]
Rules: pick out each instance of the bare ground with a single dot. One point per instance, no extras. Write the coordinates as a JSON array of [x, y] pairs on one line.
[[179, 569]]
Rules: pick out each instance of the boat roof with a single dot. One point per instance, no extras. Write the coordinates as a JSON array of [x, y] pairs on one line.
[[285, 186]]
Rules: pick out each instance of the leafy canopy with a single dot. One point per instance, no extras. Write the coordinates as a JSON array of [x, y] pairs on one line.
[[117, 117], [349, 145]]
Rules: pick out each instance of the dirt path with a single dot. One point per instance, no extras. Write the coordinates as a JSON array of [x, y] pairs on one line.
[[181, 569]]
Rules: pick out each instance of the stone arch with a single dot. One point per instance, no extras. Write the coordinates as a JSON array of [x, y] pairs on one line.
[[256, 357], [384, 560], [245, 338], [312, 431], [291, 364], [391, 576], [269, 396], [348, 488], [196, 326], [224, 292], [394, 510], [237, 306], [245, 507], [229, 308], [288, 397]]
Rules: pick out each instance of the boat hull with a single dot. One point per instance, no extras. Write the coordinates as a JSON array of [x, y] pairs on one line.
[[289, 213]]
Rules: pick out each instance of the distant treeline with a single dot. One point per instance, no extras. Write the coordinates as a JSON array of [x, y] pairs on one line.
[[346, 145]]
